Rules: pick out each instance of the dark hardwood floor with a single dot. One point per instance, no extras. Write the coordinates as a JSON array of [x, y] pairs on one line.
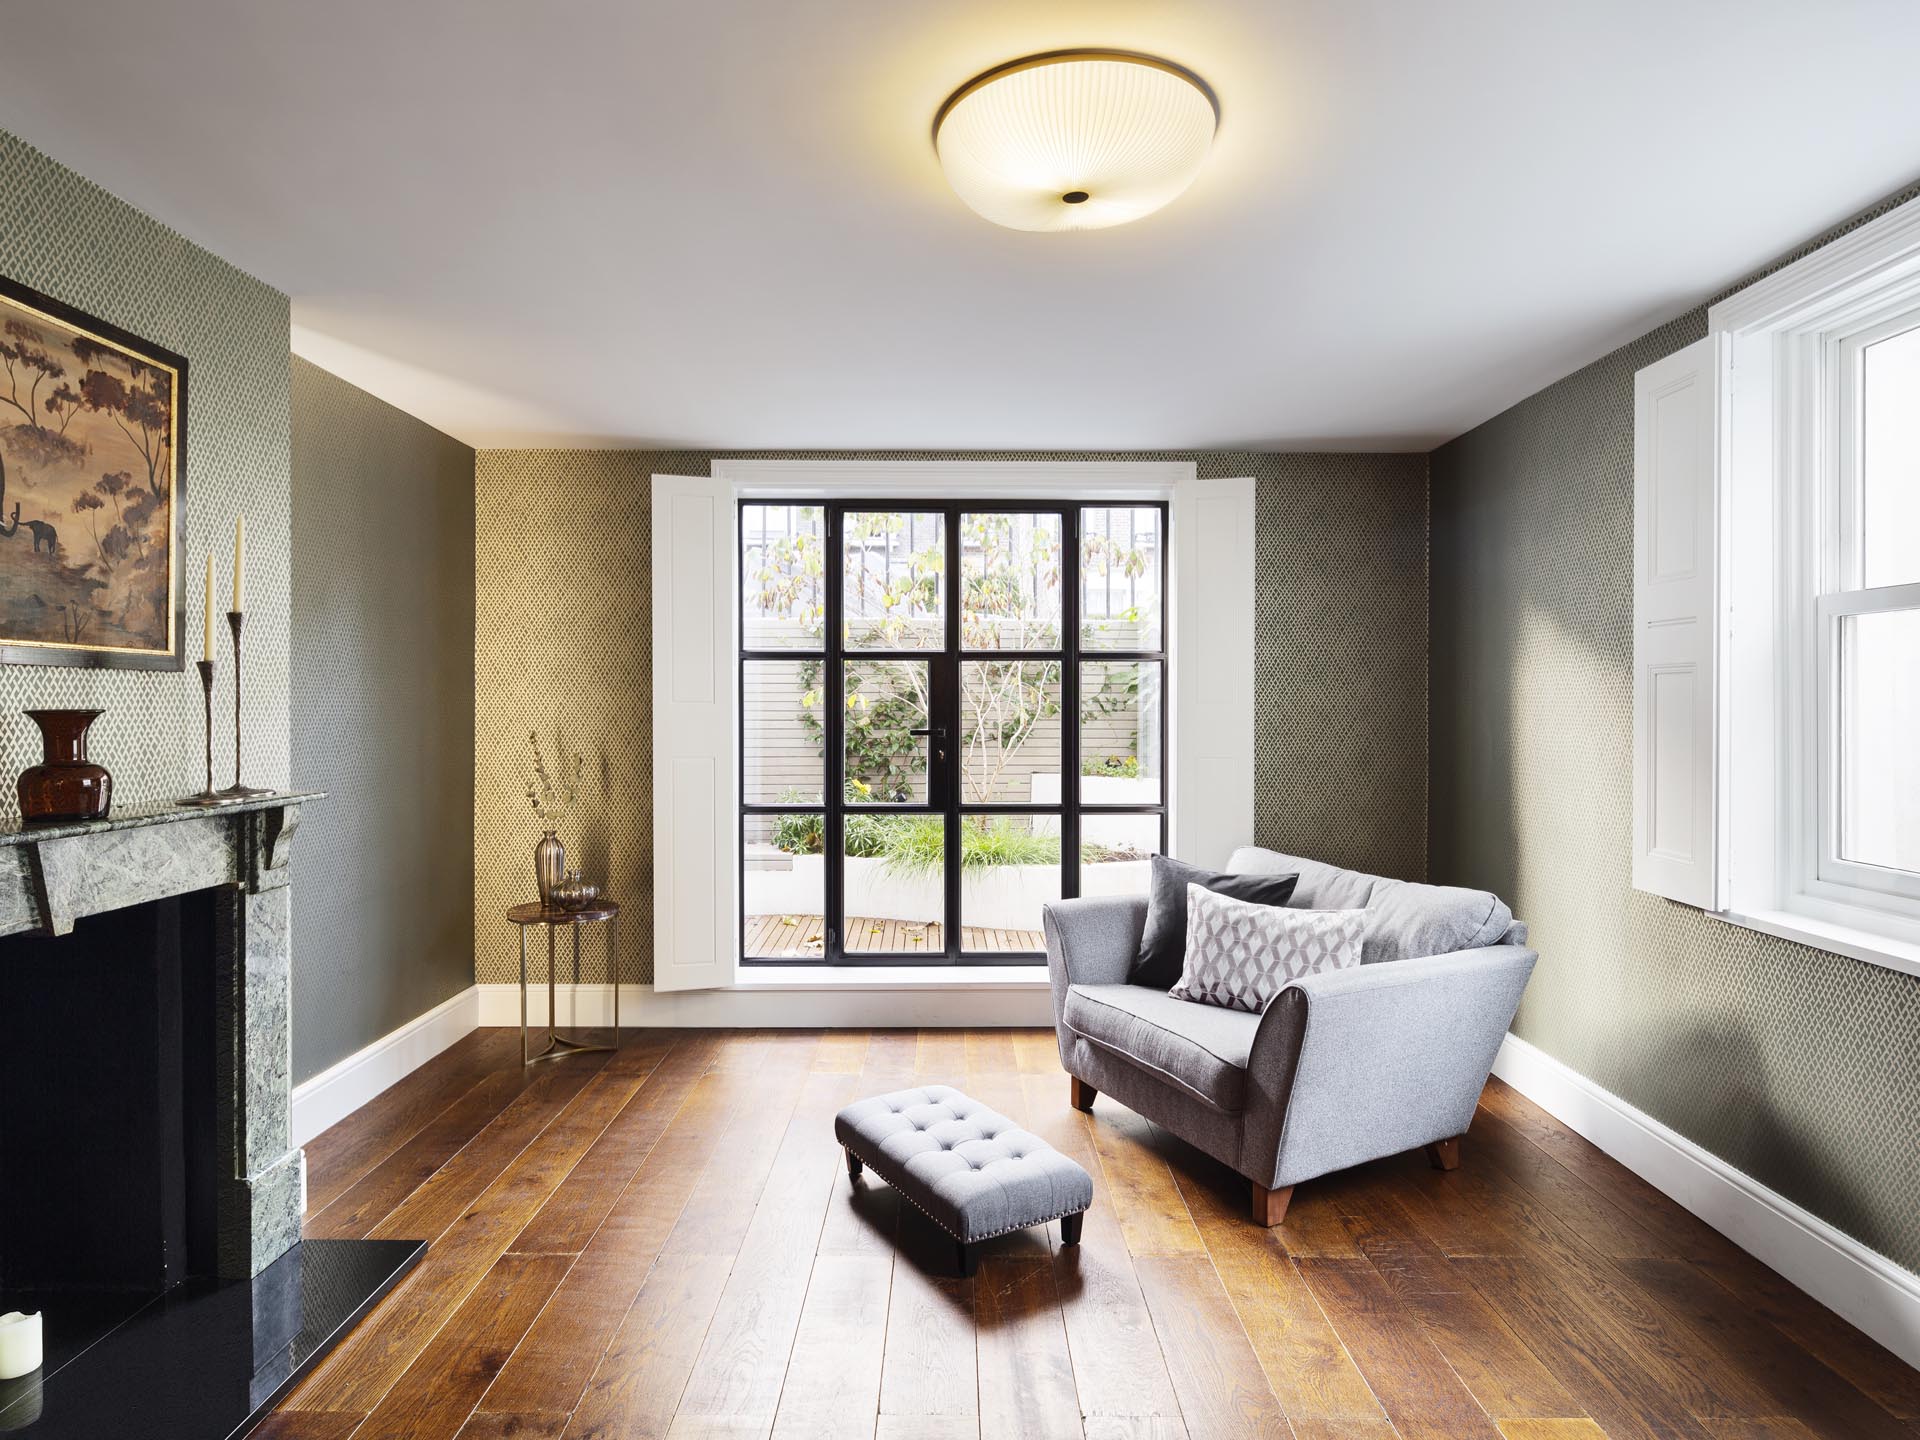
[[664, 1242]]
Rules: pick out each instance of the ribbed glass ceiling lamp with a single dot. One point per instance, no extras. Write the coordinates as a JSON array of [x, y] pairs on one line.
[[1075, 139]]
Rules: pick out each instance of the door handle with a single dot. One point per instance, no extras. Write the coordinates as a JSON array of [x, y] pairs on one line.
[[939, 732]]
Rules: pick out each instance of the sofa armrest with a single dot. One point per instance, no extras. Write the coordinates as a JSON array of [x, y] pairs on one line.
[[1091, 942], [1355, 1064]]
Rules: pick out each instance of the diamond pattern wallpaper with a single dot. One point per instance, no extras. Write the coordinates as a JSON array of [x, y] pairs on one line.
[[69, 239], [562, 642], [1800, 1067]]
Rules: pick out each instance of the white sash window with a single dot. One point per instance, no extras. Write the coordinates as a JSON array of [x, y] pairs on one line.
[[1778, 502]]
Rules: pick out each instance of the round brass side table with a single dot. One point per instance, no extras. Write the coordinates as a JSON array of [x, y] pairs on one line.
[[553, 918]]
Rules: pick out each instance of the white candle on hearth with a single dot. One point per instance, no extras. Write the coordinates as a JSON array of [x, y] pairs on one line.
[[19, 1345], [240, 563], [206, 652]]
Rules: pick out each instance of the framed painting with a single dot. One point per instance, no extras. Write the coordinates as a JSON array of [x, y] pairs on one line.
[[93, 426]]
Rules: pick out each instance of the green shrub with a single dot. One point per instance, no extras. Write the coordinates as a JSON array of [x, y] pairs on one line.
[[869, 836], [916, 844], [799, 834], [1004, 842]]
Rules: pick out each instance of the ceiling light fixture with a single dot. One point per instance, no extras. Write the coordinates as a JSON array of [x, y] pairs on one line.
[[1075, 139]]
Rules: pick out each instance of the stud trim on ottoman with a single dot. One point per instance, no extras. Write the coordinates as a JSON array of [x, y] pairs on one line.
[[968, 1168]]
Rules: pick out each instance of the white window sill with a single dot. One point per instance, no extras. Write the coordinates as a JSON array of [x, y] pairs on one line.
[[1862, 945], [891, 977]]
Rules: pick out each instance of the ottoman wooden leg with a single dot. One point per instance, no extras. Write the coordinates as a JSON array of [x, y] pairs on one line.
[[1445, 1154], [853, 1166], [1070, 1228], [1270, 1206], [967, 1257], [1081, 1094]]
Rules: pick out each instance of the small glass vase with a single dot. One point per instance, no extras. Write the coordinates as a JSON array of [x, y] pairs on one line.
[[549, 866], [65, 785]]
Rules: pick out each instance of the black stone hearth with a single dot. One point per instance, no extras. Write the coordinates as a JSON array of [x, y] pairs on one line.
[[203, 1360]]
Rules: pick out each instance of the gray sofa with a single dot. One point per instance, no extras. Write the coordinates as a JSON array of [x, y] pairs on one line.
[[1341, 1068]]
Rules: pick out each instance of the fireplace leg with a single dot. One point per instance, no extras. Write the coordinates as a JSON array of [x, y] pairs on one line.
[[259, 1196]]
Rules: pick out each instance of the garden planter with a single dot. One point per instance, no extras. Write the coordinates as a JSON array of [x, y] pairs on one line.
[[999, 897]]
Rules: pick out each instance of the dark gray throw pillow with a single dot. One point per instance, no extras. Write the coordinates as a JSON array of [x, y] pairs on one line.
[[1163, 945]]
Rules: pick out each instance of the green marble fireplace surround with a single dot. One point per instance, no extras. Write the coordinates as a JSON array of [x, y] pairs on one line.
[[54, 877]]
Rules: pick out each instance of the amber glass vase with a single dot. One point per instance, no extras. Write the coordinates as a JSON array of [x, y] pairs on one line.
[[65, 785]]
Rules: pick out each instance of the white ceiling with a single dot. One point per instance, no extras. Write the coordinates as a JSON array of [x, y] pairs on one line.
[[719, 223]]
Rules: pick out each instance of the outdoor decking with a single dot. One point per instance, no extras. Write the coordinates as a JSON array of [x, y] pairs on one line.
[[801, 937]]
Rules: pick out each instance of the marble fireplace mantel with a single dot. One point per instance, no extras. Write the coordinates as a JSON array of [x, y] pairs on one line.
[[56, 874]]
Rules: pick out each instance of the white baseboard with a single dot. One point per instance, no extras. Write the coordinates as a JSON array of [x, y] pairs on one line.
[[341, 1089], [1857, 1283], [799, 1007]]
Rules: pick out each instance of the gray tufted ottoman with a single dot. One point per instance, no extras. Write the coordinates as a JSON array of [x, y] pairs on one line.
[[970, 1169]]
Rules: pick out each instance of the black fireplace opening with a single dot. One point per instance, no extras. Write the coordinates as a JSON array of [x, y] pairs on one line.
[[108, 1126]]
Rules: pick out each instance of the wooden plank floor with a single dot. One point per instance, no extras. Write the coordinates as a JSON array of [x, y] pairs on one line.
[[789, 937], [664, 1243]]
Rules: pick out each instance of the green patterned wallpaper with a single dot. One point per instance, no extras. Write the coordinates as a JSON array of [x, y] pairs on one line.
[[1800, 1067], [69, 239], [562, 638]]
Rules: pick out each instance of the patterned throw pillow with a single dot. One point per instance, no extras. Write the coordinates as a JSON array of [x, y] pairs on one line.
[[1241, 955]]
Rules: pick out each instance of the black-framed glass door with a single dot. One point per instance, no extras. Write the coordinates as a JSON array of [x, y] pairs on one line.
[[951, 713]]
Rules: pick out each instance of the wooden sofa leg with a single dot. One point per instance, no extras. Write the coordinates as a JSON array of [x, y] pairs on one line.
[[1270, 1206], [1445, 1154], [854, 1165], [1082, 1094]]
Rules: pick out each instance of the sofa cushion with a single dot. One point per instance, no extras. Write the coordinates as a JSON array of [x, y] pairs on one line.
[[1163, 944], [1202, 1049], [1241, 955], [1404, 919]]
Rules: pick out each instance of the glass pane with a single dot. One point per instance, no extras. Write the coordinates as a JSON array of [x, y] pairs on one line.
[[895, 884], [894, 584], [1009, 868], [783, 577], [1879, 718], [1010, 732], [1120, 743], [785, 886], [1114, 851], [781, 732], [1120, 578], [1890, 469], [1010, 582], [886, 702]]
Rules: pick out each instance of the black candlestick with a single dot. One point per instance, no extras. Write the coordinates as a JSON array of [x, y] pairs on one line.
[[208, 796], [237, 790]]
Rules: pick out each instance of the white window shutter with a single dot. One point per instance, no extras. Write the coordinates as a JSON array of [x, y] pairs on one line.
[[1213, 608], [694, 815], [1676, 623]]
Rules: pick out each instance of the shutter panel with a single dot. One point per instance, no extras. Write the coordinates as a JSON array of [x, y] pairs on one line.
[[1676, 623], [1213, 609], [695, 819]]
